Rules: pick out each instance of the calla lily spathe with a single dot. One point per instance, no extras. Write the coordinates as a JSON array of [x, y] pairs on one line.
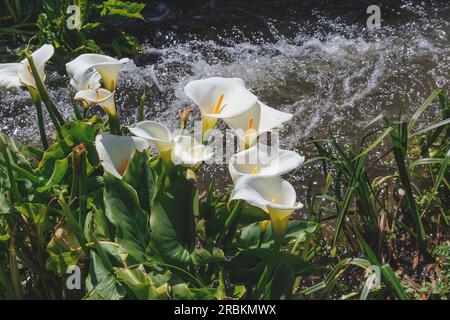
[[104, 98], [219, 98], [9, 76], [115, 152], [263, 160], [13, 75], [87, 70], [256, 120], [275, 196], [157, 133], [189, 153]]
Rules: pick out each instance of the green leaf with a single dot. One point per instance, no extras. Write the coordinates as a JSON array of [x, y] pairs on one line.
[[250, 236], [124, 212], [432, 127], [172, 221], [60, 263], [139, 175], [101, 283], [425, 161], [392, 278], [39, 215], [116, 8], [59, 171], [297, 263], [47, 164], [77, 132], [280, 287], [139, 283], [357, 170], [376, 142], [422, 108], [181, 292], [202, 257], [296, 230], [368, 286], [250, 214]]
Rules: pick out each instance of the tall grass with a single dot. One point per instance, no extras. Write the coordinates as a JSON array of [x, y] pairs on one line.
[[406, 205]]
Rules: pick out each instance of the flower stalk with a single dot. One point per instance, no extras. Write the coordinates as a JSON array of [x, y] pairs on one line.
[[38, 103], [82, 174], [114, 124], [55, 116], [229, 222]]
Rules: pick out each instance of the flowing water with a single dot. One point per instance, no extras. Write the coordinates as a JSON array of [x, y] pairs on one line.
[[315, 59]]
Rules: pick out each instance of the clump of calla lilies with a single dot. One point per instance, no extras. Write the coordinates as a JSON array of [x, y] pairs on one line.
[[256, 169]]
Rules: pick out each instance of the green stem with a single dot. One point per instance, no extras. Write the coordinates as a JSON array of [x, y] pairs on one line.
[[114, 125], [264, 279], [140, 113], [14, 268], [75, 173], [229, 221], [83, 188], [399, 139], [76, 111], [73, 224], [85, 111], [56, 117], [38, 103]]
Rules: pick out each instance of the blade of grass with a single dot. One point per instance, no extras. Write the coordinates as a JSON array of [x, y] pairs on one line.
[[348, 197], [399, 139], [422, 108]]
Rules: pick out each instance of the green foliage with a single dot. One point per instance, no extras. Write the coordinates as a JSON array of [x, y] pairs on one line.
[[148, 234], [386, 213], [17, 20], [48, 19]]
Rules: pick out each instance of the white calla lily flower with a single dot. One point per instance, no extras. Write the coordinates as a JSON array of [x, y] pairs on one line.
[[219, 98], [13, 75], [104, 98], [157, 133], [275, 196], [189, 153], [115, 152], [263, 160], [258, 119], [9, 77], [87, 70]]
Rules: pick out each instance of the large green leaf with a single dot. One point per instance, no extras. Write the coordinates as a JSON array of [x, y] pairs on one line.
[[139, 283], [181, 292], [297, 263], [101, 283], [280, 288], [47, 164], [172, 220], [124, 212], [139, 175], [202, 257], [59, 171], [252, 236], [296, 230], [76, 132]]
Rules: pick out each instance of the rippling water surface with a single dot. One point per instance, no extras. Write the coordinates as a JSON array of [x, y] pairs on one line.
[[315, 59]]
